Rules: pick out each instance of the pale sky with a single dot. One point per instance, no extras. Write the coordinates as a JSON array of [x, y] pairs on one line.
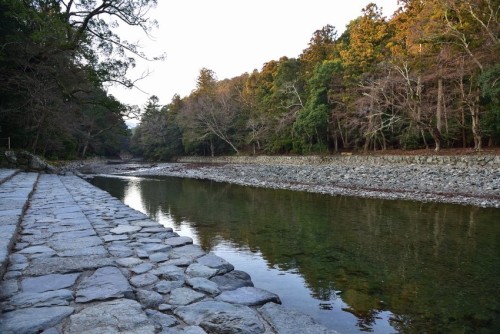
[[229, 37]]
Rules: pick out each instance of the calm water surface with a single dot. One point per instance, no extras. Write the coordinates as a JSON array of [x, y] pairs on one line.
[[355, 265]]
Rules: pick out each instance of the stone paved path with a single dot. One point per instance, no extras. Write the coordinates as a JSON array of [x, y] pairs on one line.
[[83, 262]]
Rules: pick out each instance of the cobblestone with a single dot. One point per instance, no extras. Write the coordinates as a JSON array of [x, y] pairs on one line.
[[84, 262]]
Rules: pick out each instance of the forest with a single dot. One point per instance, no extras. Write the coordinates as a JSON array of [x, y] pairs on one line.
[[427, 77], [57, 58]]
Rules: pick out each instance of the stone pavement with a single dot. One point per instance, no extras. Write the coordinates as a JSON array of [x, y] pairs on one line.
[[83, 262]]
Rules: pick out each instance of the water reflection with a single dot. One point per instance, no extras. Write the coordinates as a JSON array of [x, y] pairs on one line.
[[354, 264]]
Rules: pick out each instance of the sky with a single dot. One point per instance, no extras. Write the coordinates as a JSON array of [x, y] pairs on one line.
[[229, 37]]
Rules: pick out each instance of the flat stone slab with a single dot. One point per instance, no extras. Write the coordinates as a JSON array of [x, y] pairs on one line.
[[162, 320], [178, 241], [105, 283], [48, 282], [221, 317], [199, 270], [122, 229], [48, 298], [116, 316], [213, 261], [142, 268], [203, 285], [184, 296], [36, 249], [165, 287], [287, 321], [8, 288], [143, 280], [33, 320], [45, 266], [154, 248], [248, 296], [188, 251], [169, 272], [149, 298], [78, 243], [129, 261]]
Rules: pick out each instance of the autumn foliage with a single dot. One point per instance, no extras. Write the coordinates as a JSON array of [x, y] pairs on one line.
[[426, 77]]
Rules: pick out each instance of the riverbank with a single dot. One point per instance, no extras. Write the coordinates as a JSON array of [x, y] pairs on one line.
[[73, 259], [449, 179]]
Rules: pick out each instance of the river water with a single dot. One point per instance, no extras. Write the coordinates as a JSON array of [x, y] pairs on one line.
[[355, 265]]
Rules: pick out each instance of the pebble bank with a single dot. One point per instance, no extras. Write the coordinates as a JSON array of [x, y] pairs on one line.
[[469, 180]]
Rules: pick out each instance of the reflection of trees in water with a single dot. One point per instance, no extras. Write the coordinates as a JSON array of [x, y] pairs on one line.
[[420, 261]]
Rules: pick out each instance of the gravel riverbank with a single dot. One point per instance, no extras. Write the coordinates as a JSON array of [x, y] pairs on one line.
[[473, 185]]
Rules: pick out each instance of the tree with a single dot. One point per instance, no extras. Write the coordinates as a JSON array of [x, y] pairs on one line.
[[55, 53], [210, 113], [311, 126]]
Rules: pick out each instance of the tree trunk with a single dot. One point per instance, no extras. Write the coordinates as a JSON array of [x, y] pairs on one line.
[[439, 110], [476, 130]]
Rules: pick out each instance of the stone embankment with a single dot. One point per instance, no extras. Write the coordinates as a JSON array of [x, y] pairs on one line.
[[469, 180], [76, 260]]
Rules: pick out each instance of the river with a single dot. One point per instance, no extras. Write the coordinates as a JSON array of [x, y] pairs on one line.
[[355, 265]]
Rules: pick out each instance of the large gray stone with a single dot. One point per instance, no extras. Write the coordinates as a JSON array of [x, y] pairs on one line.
[[169, 272], [45, 266], [165, 287], [8, 288], [179, 241], [248, 296], [77, 243], [116, 316], [143, 280], [213, 261], [199, 270], [36, 249], [221, 317], [120, 250], [203, 285], [161, 320], [233, 280], [188, 251], [48, 298], [142, 268], [154, 248], [149, 299], [158, 257], [48, 282], [123, 229], [129, 261], [95, 250], [71, 235], [105, 283], [33, 320], [184, 296], [287, 321]]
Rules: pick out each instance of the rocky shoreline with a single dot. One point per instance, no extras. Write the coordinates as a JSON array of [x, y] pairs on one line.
[[465, 185], [74, 259]]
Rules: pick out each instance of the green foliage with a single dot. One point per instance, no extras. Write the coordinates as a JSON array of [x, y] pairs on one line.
[[55, 57], [311, 126]]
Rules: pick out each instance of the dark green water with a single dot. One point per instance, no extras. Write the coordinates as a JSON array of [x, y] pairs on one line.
[[353, 264]]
